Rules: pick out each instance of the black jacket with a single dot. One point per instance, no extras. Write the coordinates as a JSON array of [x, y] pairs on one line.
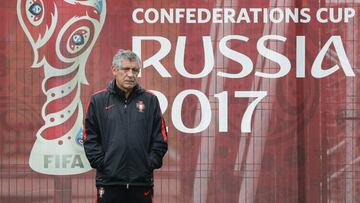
[[124, 139]]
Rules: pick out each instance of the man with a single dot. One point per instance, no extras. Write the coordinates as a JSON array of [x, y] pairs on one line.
[[125, 135]]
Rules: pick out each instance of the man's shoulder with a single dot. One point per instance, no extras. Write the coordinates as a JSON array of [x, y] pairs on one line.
[[99, 94], [149, 94]]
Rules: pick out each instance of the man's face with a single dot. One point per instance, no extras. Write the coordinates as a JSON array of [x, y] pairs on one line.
[[126, 75]]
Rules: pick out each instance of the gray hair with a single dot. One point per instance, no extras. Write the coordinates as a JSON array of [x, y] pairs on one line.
[[125, 54]]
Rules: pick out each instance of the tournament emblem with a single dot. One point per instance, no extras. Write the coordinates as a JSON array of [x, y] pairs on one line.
[[140, 106], [62, 35]]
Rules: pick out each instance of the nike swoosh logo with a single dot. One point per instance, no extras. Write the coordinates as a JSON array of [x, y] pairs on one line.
[[109, 107], [146, 193]]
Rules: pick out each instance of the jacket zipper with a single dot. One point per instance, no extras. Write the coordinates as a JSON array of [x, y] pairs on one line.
[[125, 106], [126, 135]]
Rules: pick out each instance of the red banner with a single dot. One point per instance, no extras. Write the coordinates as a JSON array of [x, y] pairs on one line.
[[260, 97]]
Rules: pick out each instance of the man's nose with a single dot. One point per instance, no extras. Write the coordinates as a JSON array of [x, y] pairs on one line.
[[130, 73]]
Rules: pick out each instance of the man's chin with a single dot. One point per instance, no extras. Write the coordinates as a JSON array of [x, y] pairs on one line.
[[129, 86]]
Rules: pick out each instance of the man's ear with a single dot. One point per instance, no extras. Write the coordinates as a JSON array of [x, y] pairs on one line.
[[113, 70]]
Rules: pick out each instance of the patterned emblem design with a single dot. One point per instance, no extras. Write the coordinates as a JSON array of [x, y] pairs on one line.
[[140, 106], [61, 48], [79, 137]]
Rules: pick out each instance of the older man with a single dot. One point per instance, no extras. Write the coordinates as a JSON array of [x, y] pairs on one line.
[[125, 135]]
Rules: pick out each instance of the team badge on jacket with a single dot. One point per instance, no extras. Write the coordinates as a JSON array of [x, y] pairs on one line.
[[101, 192], [140, 106]]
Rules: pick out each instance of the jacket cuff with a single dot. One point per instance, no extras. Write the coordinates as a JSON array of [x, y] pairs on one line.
[[154, 163]]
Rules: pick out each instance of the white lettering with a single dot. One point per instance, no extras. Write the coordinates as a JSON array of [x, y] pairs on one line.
[[316, 69], [205, 108], [283, 62], [154, 61], [236, 56], [179, 59]]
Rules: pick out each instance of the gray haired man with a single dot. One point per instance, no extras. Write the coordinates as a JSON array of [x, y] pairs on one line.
[[125, 136]]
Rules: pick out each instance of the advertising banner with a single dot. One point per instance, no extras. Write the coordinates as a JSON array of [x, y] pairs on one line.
[[260, 97]]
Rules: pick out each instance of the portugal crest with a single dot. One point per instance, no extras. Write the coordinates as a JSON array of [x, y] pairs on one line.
[[140, 106]]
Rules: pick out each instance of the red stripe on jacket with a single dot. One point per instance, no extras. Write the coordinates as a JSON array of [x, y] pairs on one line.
[[163, 130]]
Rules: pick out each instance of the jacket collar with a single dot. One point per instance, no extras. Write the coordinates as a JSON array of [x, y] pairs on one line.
[[113, 89]]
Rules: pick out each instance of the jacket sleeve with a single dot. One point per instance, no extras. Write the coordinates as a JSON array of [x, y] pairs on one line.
[[92, 138], [159, 138]]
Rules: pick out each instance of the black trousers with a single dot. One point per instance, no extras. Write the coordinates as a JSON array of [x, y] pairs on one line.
[[122, 194]]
